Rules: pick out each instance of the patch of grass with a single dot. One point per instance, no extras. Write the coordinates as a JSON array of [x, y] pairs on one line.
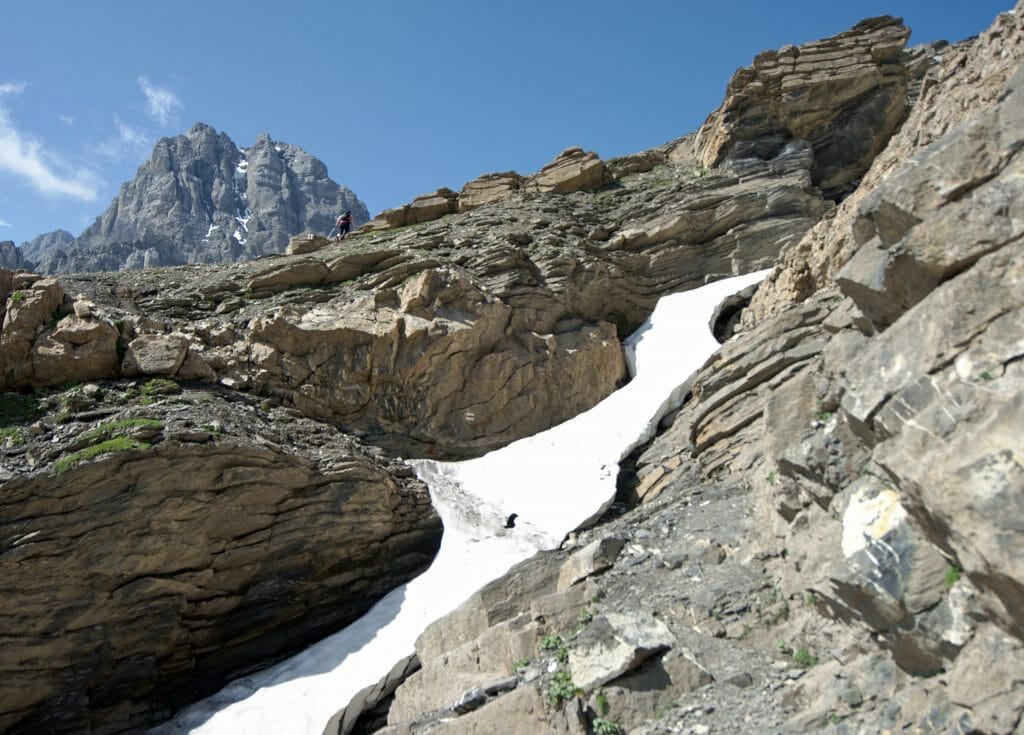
[[520, 664], [803, 657], [17, 297], [562, 687], [601, 700], [810, 600], [602, 726], [160, 387], [772, 477], [784, 648], [550, 642], [117, 444], [771, 618], [986, 376], [119, 428], [953, 574], [823, 416], [12, 435], [585, 618]]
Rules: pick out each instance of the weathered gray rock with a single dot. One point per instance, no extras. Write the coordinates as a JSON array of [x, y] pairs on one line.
[[12, 257], [614, 644], [201, 199], [43, 245], [593, 558]]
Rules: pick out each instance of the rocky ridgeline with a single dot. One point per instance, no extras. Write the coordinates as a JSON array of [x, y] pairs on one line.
[[823, 535], [201, 199]]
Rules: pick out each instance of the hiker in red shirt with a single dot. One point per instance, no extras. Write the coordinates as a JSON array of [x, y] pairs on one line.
[[344, 224]]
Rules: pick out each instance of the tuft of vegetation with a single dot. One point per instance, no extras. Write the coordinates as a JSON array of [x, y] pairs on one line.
[[602, 726], [18, 297], [823, 416], [810, 600], [562, 688], [119, 428], [117, 444], [601, 700], [550, 642], [12, 435], [803, 657], [953, 574], [160, 387], [520, 664], [784, 648]]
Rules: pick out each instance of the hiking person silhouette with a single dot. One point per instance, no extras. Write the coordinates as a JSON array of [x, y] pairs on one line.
[[344, 224]]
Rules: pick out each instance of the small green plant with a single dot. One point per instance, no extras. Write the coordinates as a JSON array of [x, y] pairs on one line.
[[601, 700], [12, 435], [119, 428], [602, 726], [520, 664], [771, 618], [772, 477], [986, 376], [18, 297], [823, 416], [550, 642], [803, 657], [597, 598], [784, 648], [833, 718], [160, 387], [117, 444], [810, 600], [585, 618], [952, 576], [562, 687]]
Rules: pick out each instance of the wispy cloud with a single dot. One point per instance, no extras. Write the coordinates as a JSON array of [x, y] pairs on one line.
[[129, 141], [163, 103], [5, 223], [67, 119], [26, 157]]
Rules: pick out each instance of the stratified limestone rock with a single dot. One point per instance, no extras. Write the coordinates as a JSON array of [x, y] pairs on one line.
[[571, 170], [77, 350], [30, 303], [155, 355], [845, 95], [424, 208], [591, 559], [141, 586], [488, 188], [306, 243]]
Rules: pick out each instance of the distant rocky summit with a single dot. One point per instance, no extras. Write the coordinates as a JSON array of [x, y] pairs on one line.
[[202, 199]]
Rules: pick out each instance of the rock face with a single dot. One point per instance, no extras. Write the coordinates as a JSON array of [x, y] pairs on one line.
[[11, 257], [201, 199], [172, 581], [845, 95], [38, 248], [826, 534]]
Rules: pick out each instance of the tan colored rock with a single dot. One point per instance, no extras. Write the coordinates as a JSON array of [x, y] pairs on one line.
[[76, 350], [294, 272], [30, 305], [845, 94], [488, 188], [155, 354], [424, 208], [613, 644], [307, 242], [593, 558], [571, 170], [195, 367]]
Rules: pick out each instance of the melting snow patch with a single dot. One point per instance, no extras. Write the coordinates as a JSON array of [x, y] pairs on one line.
[[210, 231], [551, 483]]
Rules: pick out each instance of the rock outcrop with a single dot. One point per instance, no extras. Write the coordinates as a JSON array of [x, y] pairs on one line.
[[12, 257], [826, 534], [141, 587], [38, 248], [201, 199], [845, 95]]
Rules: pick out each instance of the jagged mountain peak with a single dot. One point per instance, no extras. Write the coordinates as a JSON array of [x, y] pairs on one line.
[[199, 198]]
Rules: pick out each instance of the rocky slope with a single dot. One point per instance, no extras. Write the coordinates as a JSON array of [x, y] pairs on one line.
[[201, 199], [824, 535]]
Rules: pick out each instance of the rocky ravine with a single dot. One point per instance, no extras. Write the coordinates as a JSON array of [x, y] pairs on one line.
[[789, 563], [202, 199]]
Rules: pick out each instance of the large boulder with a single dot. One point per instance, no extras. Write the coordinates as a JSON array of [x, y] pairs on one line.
[[846, 95], [488, 188], [571, 170]]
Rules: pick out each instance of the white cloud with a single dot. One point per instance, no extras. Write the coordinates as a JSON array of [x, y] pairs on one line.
[[67, 119], [24, 156], [128, 142], [5, 223], [163, 103]]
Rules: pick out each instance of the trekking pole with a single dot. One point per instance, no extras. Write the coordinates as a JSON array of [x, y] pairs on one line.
[[331, 232]]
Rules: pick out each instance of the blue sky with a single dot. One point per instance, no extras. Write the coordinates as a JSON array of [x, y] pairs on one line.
[[397, 97]]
